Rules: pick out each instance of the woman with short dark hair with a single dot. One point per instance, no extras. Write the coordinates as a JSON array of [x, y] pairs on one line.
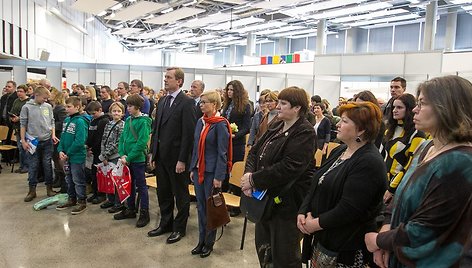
[[282, 162]]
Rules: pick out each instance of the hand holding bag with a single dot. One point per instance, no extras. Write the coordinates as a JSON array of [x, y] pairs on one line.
[[217, 213]]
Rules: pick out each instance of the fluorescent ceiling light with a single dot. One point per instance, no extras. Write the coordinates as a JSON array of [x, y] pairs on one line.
[[459, 2], [292, 33], [197, 39], [137, 10], [103, 13], [190, 3], [112, 15], [221, 40], [155, 33], [117, 6], [149, 17], [268, 25], [396, 23], [274, 4], [167, 10], [60, 1], [320, 6], [351, 10], [280, 30], [389, 19], [369, 15], [234, 24], [175, 36], [231, 1]]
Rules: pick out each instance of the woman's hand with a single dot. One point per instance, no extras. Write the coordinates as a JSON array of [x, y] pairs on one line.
[[311, 224], [371, 241], [191, 176], [246, 182], [123, 160], [381, 258], [387, 197], [301, 224], [217, 183]]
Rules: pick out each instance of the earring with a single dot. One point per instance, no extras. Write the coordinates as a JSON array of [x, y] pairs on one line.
[[358, 139]]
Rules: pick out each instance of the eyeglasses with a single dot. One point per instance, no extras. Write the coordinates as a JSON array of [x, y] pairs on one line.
[[420, 104]]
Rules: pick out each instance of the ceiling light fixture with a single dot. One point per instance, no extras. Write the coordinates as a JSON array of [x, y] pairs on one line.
[[103, 13], [149, 17], [117, 6], [190, 3], [170, 9], [112, 15]]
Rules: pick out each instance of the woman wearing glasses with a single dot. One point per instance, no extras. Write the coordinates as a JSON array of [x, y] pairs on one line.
[[429, 223]]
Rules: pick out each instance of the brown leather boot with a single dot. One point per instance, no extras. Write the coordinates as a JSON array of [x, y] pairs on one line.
[[50, 191], [31, 194]]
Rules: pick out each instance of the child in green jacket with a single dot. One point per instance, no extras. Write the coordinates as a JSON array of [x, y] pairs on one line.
[[132, 149], [72, 150]]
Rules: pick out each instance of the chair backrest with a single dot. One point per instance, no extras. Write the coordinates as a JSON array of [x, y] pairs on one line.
[[3, 133], [236, 173], [331, 146], [318, 157]]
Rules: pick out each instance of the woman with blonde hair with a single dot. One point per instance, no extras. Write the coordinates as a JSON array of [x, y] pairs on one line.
[[90, 93], [57, 101], [428, 221]]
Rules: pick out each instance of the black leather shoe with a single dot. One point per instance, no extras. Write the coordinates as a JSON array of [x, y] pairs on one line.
[[234, 213], [198, 249], [115, 209], [106, 205], [157, 232], [175, 237], [206, 251]]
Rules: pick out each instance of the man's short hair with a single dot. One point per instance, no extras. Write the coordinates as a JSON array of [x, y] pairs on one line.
[[12, 82], [93, 106], [135, 100], [179, 74], [108, 89], [126, 85], [401, 80], [40, 90], [201, 83], [138, 83]]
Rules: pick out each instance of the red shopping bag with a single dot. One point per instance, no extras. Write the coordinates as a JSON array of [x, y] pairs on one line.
[[122, 179], [104, 179]]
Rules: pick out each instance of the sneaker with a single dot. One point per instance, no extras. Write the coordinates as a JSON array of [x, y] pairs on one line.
[[98, 199], [91, 198], [125, 214], [115, 209], [81, 207], [70, 203], [106, 205]]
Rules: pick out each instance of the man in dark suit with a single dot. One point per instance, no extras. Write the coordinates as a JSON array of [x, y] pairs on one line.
[[196, 90], [172, 140]]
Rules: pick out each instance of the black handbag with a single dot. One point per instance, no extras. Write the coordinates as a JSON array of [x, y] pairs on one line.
[[217, 213], [257, 210]]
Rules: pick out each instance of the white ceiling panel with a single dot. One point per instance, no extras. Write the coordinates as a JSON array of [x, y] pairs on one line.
[[177, 37], [176, 15], [370, 15], [137, 10], [279, 30], [214, 18], [232, 1], [127, 31], [234, 24], [276, 4], [93, 6], [384, 20], [351, 10], [261, 26], [320, 6], [155, 33]]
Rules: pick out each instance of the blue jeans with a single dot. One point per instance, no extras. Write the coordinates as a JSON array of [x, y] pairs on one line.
[[75, 178], [138, 183], [202, 192], [42, 156], [22, 152]]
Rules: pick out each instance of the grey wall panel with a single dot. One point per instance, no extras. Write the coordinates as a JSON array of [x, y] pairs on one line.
[[54, 74]]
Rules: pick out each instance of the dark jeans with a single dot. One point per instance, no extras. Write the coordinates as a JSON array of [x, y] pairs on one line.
[[75, 177], [138, 183], [202, 192], [22, 153], [41, 157]]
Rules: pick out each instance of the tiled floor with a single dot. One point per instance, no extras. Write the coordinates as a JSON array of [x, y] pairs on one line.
[[51, 238]]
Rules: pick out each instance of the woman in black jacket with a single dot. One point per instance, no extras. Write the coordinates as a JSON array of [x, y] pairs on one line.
[[322, 127], [60, 114], [346, 194], [282, 163]]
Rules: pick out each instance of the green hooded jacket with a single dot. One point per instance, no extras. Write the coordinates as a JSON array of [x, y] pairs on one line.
[[73, 137], [134, 145]]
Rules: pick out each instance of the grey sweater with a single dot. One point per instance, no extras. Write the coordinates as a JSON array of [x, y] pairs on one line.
[[38, 119]]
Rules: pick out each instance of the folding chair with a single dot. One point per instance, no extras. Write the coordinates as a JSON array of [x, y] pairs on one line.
[[5, 148]]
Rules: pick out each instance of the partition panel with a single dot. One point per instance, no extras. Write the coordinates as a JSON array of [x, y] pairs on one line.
[[305, 82], [87, 75], [152, 80], [249, 83], [328, 87], [213, 81], [54, 74], [272, 83], [117, 76], [72, 77], [103, 77], [19, 74], [5, 76]]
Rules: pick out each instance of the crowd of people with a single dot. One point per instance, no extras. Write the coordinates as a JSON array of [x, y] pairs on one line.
[[395, 193]]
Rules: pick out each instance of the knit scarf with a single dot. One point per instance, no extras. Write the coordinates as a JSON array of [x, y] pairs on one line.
[[201, 145]]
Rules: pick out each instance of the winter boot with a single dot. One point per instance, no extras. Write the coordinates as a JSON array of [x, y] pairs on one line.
[[143, 219], [31, 194], [50, 191], [81, 207]]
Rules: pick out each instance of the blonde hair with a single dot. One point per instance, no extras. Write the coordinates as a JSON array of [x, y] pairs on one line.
[[58, 98], [119, 104], [93, 92], [214, 97]]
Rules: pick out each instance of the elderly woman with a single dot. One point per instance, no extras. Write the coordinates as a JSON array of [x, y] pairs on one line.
[[432, 208], [211, 159], [282, 162], [346, 194], [401, 141]]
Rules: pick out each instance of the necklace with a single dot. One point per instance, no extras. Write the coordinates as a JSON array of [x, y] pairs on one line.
[[336, 163]]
